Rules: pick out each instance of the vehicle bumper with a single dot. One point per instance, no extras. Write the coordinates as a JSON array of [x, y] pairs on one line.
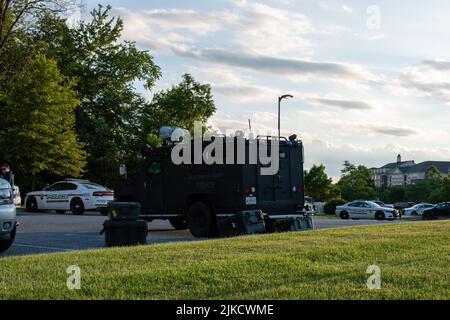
[[393, 216], [6, 227], [97, 203], [101, 204]]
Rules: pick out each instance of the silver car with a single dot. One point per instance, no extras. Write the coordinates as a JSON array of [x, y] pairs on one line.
[[8, 219]]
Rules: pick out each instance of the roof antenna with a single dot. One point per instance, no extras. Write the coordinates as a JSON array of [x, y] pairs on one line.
[[250, 125]]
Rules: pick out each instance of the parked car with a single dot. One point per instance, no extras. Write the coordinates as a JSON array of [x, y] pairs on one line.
[[403, 205], [417, 209], [365, 210], [439, 210], [8, 220], [71, 194]]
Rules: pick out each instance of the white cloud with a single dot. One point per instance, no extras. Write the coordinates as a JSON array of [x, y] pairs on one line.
[[428, 79]]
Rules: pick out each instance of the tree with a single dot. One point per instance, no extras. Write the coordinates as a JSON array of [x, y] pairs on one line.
[[108, 120], [433, 173], [181, 105], [37, 133], [445, 189], [356, 182], [15, 13], [317, 183]]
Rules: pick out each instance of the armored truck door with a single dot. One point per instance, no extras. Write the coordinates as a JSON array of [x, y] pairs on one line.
[[283, 177], [153, 197]]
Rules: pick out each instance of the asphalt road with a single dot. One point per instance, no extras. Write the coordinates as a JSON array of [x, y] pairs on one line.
[[51, 232]]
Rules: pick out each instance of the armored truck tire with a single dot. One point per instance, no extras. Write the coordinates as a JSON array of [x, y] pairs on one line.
[[5, 244], [201, 221], [179, 223]]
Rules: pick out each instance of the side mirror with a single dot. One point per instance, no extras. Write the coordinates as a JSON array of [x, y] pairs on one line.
[[47, 186], [123, 170]]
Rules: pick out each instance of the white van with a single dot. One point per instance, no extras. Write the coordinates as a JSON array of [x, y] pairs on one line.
[[8, 218]]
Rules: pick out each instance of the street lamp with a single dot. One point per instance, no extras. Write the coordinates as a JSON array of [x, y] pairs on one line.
[[286, 96]]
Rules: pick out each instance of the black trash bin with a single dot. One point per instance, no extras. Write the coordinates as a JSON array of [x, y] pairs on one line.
[[121, 211], [125, 233]]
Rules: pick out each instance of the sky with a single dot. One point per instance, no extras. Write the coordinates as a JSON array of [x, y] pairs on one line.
[[370, 79]]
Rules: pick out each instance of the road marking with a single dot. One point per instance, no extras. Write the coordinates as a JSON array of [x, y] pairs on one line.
[[39, 247]]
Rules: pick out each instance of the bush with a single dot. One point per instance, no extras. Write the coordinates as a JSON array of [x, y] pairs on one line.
[[330, 206]]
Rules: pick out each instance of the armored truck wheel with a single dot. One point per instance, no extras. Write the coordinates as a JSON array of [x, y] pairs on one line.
[[201, 221], [179, 223]]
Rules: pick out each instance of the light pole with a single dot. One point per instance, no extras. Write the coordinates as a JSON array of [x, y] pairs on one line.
[[286, 96]]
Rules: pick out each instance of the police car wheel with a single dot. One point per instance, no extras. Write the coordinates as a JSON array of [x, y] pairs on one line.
[[77, 206], [379, 215], [5, 244], [179, 223], [32, 205], [201, 221], [344, 215]]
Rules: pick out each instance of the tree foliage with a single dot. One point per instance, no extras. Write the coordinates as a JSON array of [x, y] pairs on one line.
[[37, 133], [317, 183], [18, 14], [181, 105], [434, 188], [106, 69], [94, 76], [356, 182]]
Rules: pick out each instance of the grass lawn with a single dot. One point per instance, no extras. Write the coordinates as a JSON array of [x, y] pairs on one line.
[[325, 216], [324, 264]]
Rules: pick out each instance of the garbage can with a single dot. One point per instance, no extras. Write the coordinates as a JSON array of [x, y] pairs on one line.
[[121, 211], [125, 233]]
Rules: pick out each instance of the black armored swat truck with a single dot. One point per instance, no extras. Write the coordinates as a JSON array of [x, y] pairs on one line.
[[196, 196]]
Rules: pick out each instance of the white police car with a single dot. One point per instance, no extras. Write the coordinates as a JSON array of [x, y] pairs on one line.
[[71, 194], [366, 210]]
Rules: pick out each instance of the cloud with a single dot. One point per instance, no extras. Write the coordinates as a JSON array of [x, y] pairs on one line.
[[243, 93], [429, 79], [233, 86], [344, 104], [342, 8], [393, 131], [255, 27], [281, 66]]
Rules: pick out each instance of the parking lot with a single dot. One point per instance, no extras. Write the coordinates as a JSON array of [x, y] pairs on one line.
[[49, 232]]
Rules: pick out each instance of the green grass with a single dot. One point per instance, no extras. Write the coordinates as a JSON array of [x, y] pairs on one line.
[[324, 264], [325, 216]]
